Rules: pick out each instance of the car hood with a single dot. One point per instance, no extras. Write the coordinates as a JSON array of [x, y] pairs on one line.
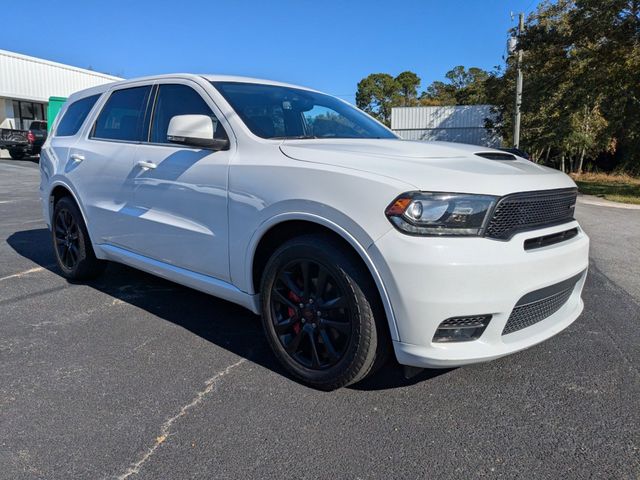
[[430, 166]]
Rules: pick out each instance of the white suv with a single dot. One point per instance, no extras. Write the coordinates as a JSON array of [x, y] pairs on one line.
[[346, 239]]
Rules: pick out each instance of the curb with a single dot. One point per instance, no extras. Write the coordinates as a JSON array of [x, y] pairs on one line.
[[601, 202]]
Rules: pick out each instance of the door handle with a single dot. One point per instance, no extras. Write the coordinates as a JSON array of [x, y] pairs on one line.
[[76, 157], [146, 165]]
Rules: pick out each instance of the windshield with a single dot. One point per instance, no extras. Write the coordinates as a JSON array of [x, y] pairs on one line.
[[272, 111]]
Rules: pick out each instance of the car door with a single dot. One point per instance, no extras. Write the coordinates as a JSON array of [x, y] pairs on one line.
[[66, 133], [180, 191], [101, 165]]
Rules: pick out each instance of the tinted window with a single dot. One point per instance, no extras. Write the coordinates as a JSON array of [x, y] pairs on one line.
[[122, 117], [273, 111], [75, 115], [174, 99], [38, 126]]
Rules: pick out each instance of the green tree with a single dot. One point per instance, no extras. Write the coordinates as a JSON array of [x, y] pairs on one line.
[[581, 99], [439, 93], [378, 93], [464, 87], [408, 83]]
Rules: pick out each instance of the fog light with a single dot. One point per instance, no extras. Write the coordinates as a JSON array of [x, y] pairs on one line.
[[461, 329]]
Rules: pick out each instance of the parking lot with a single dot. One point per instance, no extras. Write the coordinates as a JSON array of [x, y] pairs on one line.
[[132, 376]]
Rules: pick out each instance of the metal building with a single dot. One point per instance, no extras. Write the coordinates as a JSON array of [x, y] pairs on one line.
[[26, 83], [459, 123]]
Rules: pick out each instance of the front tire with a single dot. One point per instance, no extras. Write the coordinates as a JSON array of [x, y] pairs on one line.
[[319, 309], [74, 254]]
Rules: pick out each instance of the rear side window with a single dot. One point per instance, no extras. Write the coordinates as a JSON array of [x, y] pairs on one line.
[[75, 116], [122, 117], [176, 99], [38, 126]]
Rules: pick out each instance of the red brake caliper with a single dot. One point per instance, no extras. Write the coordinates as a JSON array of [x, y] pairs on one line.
[[295, 299]]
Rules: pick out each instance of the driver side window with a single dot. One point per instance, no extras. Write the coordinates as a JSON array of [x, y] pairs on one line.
[[177, 99]]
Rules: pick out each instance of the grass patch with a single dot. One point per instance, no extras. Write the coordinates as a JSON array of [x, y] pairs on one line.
[[617, 188]]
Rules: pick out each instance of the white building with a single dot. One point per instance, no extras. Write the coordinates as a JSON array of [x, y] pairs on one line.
[[26, 83], [459, 123]]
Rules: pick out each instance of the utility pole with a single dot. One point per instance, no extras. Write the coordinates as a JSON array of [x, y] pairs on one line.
[[516, 119]]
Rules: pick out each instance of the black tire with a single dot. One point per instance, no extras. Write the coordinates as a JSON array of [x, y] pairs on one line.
[[16, 153], [338, 356], [74, 254]]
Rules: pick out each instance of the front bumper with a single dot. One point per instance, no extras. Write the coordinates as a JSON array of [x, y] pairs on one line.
[[430, 279]]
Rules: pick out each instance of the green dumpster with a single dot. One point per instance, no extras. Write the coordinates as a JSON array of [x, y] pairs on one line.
[[55, 104]]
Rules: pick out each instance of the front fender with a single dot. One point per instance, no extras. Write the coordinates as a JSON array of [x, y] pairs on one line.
[[353, 234]]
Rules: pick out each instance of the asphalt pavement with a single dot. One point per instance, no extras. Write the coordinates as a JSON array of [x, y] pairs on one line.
[[131, 376]]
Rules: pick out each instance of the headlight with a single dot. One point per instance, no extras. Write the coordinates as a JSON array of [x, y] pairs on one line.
[[425, 213]]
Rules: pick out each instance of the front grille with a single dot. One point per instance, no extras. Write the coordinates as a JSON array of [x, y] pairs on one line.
[[519, 212], [540, 304]]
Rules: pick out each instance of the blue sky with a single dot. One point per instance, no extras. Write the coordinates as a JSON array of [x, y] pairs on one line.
[[326, 44]]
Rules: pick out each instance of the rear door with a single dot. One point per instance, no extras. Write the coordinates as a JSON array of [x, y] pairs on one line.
[[66, 133], [101, 164], [182, 198]]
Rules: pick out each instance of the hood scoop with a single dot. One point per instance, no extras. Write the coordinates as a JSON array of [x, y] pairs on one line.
[[496, 155]]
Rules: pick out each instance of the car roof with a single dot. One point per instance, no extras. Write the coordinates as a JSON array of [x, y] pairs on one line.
[[209, 77], [262, 81]]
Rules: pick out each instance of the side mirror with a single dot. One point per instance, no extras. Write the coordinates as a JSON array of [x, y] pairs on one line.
[[196, 131]]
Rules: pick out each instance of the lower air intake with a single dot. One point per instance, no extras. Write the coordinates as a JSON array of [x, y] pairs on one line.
[[540, 304], [461, 329]]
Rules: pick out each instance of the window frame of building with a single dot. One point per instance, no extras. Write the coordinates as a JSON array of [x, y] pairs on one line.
[[36, 112]]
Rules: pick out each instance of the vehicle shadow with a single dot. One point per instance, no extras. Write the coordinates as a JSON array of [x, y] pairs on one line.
[[220, 322]]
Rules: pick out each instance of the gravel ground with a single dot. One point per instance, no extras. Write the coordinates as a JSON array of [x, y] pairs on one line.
[[135, 377]]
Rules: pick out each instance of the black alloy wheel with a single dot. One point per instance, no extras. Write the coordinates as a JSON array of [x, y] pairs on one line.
[[321, 312], [67, 238], [310, 314], [71, 243]]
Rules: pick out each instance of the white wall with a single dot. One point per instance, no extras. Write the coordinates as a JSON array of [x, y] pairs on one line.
[[33, 79], [454, 123], [30, 78]]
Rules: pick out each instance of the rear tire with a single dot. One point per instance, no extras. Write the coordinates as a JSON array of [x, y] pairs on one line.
[[71, 243], [16, 154], [321, 313]]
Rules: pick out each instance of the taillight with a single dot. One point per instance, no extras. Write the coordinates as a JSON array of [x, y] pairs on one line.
[[31, 137]]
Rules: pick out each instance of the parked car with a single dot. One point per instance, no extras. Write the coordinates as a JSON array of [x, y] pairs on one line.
[[349, 241], [15, 141], [36, 136], [24, 142]]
